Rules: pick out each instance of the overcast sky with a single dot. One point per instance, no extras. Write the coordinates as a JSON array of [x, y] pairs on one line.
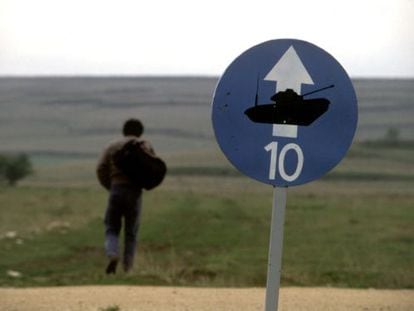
[[178, 37]]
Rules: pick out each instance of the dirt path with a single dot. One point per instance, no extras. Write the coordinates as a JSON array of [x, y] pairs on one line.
[[129, 298]]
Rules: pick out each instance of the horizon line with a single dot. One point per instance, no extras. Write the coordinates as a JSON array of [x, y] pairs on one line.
[[103, 76]]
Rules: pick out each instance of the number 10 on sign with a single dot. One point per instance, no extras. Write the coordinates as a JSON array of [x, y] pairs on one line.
[[277, 161]]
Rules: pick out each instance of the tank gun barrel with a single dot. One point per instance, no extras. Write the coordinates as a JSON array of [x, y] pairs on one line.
[[324, 88]]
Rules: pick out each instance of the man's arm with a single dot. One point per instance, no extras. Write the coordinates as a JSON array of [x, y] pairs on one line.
[[103, 170], [148, 147]]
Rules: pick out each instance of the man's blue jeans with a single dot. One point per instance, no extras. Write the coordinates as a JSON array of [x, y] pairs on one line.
[[124, 203]]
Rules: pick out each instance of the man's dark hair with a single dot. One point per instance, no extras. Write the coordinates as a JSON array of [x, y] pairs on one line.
[[133, 127]]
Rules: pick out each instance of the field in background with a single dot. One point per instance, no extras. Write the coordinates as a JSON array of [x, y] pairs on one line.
[[63, 123], [206, 225], [75, 116]]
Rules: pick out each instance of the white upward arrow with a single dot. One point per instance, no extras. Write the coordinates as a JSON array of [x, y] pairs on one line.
[[288, 73]]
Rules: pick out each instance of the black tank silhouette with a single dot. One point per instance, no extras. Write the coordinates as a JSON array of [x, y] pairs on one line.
[[289, 108]]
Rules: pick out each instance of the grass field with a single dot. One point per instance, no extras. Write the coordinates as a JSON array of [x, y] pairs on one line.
[[53, 236], [210, 227], [207, 225]]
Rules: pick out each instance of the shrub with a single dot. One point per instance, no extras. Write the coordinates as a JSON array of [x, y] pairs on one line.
[[392, 136], [14, 168]]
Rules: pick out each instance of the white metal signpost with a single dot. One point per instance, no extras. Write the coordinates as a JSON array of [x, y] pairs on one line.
[[284, 113]]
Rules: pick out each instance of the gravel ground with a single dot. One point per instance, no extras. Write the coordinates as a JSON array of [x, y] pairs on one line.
[[142, 298]]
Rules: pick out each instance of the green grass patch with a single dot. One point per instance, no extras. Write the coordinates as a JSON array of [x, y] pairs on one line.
[[204, 171], [387, 144], [367, 176], [195, 239]]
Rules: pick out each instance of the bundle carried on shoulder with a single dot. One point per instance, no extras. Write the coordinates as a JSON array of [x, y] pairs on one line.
[[139, 165]]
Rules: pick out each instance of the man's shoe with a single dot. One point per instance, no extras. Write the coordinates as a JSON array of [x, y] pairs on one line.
[[111, 268]]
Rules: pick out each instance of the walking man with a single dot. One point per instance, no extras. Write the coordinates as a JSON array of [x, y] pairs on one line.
[[125, 199]]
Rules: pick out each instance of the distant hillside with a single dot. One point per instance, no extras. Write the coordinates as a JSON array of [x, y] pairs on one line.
[[79, 115], [385, 104]]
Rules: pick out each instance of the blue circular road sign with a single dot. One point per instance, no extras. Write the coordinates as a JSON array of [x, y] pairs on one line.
[[284, 112]]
